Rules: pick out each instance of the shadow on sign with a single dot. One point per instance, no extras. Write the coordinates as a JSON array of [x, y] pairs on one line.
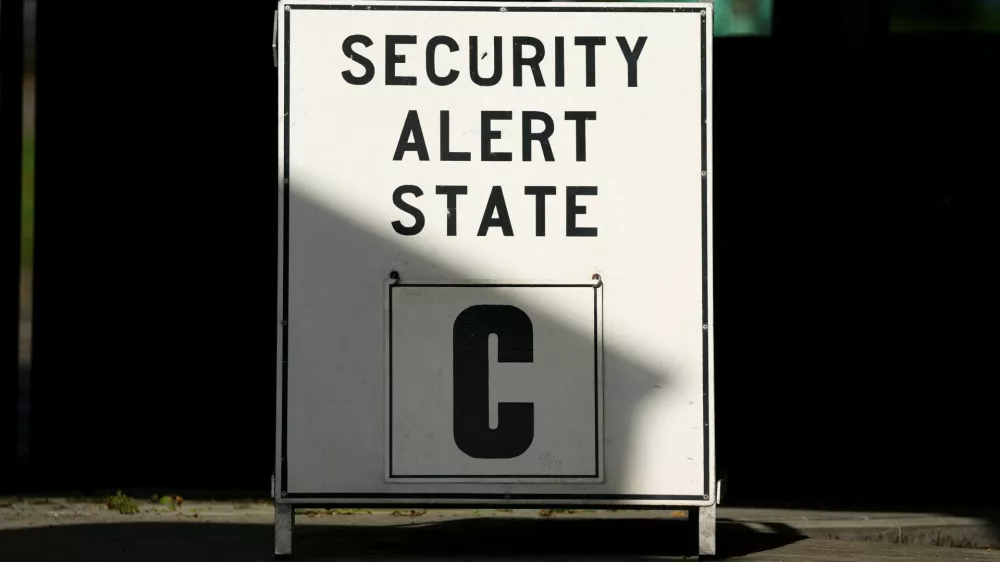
[[320, 228]]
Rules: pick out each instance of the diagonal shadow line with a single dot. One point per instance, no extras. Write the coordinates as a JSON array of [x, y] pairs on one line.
[[322, 229]]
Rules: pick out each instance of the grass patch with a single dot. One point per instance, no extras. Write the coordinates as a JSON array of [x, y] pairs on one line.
[[551, 512], [122, 504], [352, 511], [408, 512], [170, 501]]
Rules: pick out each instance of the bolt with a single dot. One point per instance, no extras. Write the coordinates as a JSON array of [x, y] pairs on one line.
[[394, 275]]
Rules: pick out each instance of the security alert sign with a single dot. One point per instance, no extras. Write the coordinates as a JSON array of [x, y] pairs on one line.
[[495, 261], [533, 129]]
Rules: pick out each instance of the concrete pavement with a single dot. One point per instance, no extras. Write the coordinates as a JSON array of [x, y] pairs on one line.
[[56, 530], [932, 529]]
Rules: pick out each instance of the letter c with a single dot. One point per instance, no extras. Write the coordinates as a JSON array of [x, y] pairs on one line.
[[515, 420]]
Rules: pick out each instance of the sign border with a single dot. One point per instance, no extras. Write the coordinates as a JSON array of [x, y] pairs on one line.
[[597, 477], [280, 485]]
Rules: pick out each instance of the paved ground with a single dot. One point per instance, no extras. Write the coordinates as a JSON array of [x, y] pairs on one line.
[[54, 530]]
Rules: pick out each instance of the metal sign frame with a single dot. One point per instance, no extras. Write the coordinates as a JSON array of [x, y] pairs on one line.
[[286, 501]]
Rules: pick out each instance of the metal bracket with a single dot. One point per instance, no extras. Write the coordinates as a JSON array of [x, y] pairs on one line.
[[274, 39]]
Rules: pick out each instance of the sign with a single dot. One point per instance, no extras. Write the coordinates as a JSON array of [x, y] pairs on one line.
[[523, 388], [495, 253]]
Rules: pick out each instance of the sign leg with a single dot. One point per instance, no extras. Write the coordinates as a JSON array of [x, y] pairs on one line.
[[284, 528], [706, 530]]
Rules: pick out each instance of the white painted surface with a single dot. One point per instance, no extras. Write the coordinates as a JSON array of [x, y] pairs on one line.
[[562, 383], [644, 153]]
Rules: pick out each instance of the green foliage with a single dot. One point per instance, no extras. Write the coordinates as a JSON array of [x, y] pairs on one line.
[[171, 502], [409, 513], [122, 504], [551, 512], [351, 511]]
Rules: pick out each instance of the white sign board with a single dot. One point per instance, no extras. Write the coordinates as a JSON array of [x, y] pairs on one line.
[[495, 253]]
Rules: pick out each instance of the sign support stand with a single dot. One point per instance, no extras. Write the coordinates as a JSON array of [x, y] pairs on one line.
[[706, 530], [482, 383], [284, 529]]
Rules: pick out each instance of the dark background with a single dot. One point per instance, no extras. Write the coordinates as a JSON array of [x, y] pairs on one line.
[[11, 69], [855, 250]]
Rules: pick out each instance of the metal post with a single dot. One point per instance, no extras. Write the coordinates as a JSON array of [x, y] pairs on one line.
[[284, 528], [706, 530]]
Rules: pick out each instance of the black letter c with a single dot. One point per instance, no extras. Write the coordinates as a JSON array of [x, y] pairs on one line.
[[431, 71], [515, 420]]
